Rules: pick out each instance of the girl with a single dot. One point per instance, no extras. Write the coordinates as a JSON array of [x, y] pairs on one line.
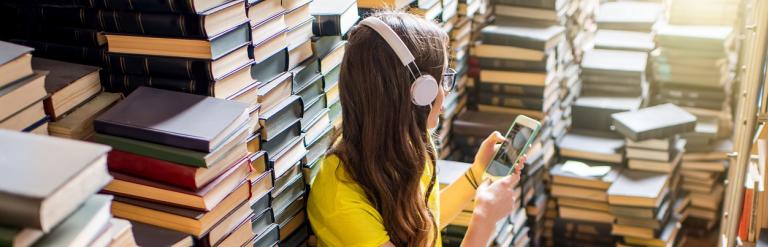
[[378, 185]]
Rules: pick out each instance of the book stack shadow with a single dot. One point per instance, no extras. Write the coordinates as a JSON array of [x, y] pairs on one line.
[[61, 186]]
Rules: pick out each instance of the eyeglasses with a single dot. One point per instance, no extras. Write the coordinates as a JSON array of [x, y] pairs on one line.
[[449, 80]]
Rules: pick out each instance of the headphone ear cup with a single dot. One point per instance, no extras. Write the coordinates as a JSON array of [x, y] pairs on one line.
[[424, 90]]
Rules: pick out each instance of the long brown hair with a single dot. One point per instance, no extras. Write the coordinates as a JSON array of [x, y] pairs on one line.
[[385, 142]]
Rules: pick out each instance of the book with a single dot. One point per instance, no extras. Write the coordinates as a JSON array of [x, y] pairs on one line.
[[122, 233], [15, 62], [280, 117], [574, 173], [167, 172], [68, 85], [26, 119], [239, 235], [594, 112], [511, 15], [624, 40], [81, 172], [685, 36], [299, 51], [333, 18], [516, 78], [661, 121], [274, 92], [204, 198], [667, 166], [528, 37], [638, 188], [542, 4], [205, 25], [629, 63], [263, 31], [78, 124], [226, 227], [270, 45], [15, 236], [85, 224], [270, 237], [176, 119], [149, 235], [271, 68], [22, 93], [188, 221], [176, 6], [284, 160], [210, 48], [559, 190], [177, 67], [93, 56], [592, 146], [635, 16], [586, 215], [330, 59], [280, 140]]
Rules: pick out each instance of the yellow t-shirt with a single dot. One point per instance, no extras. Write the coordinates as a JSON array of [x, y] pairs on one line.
[[340, 213]]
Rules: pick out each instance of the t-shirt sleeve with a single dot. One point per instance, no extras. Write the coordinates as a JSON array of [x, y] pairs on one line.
[[357, 226]]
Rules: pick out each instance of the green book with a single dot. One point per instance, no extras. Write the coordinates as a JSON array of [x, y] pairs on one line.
[[157, 151]]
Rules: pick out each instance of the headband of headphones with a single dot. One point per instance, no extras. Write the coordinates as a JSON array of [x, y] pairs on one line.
[[394, 41]]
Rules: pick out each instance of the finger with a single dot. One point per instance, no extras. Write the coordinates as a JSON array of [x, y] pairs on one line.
[[510, 180], [484, 185], [494, 138]]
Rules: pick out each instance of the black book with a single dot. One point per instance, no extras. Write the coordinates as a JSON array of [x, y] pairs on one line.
[[210, 48], [171, 6], [530, 37], [224, 87], [534, 103], [656, 122], [196, 26], [333, 17], [498, 88], [271, 68], [509, 64], [70, 36], [94, 56], [594, 113], [65, 16], [304, 74], [177, 67], [280, 117]]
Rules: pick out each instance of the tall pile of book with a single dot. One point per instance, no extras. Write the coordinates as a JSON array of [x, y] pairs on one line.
[[654, 151], [181, 163], [459, 29], [693, 68], [63, 30], [626, 25], [22, 91], [51, 200]]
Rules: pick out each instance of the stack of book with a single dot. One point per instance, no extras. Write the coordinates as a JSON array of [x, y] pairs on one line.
[[63, 30], [22, 91], [459, 29], [431, 10], [581, 191], [644, 206], [614, 73], [692, 68], [654, 151], [713, 12], [75, 97], [180, 162], [703, 172], [627, 25], [51, 200]]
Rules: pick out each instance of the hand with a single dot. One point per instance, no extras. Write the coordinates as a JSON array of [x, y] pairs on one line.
[[495, 200], [487, 150]]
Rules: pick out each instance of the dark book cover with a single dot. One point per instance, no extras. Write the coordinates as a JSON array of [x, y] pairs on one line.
[[534, 103], [305, 73], [191, 26], [70, 36], [656, 122], [127, 84], [271, 68], [596, 146], [61, 74], [172, 118], [166, 67], [322, 46], [333, 17], [318, 147], [498, 88], [282, 200], [95, 56], [282, 139], [262, 203], [530, 37], [280, 117], [594, 113], [481, 124], [171, 6], [66, 16], [313, 110], [509, 64], [269, 237], [262, 221], [149, 235], [311, 90]]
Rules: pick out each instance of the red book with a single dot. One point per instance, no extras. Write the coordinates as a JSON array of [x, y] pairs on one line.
[[746, 214], [165, 172]]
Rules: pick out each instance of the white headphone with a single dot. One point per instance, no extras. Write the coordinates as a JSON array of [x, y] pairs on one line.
[[424, 87]]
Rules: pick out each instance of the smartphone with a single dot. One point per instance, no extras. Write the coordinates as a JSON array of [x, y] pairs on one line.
[[517, 140]]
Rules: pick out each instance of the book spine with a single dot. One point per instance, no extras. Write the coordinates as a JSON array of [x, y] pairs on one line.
[[327, 25], [157, 153], [169, 67], [506, 101], [170, 6], [94, 56], [507, 64], [125, 84], [152, 169], [540, 4], [184, 142], [744, 222], [67, 16], [154, 24], [507, 40], [69, 36], [495, 88], [20, 211]]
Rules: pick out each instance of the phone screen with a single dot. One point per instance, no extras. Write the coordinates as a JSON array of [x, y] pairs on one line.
[[505, 159]]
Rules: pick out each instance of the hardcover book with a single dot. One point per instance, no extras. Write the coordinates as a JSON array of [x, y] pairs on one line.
[[68, 84], [333, 17], [14, 62], [537, 38], [661, 121], [639, 189]]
